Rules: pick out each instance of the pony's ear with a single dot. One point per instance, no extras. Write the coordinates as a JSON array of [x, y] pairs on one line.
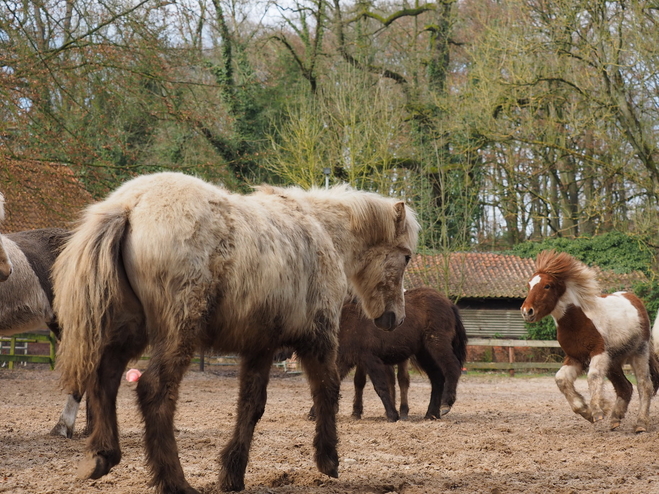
[[399, 208]]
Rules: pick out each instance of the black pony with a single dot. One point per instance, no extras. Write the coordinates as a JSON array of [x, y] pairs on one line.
[[432, 336]]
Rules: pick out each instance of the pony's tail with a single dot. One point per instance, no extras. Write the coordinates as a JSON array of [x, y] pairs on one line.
[[654, 354], [654, 336], [460, 338], [654, 371], [86, 285]]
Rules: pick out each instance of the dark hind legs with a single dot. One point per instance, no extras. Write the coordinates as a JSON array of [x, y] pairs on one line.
[[436, 392], [103, 451], [254, 375], [444, 370], [324, 382], [157, 394], [404, 384]]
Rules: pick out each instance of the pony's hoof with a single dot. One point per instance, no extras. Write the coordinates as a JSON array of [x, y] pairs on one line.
[[333, 472], [614, 425], [93, 467], [61, 429], [597, 417], [640, 429], [392, 418], [585, 413], [329, 465], [444, 410], [228, 486], [184, 489], [356, 416]]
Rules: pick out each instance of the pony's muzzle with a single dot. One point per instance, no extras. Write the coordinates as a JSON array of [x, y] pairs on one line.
[[528, 314], [6, 273], [388, 321]]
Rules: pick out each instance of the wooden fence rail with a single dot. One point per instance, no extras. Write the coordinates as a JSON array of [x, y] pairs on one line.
[[28, 338], [511, 366]]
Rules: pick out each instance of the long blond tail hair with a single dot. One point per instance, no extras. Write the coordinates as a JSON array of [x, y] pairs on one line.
[[86, 286]]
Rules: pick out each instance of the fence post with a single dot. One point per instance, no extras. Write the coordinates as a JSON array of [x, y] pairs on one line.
[[12, 351], [511, 360], [52, 340]]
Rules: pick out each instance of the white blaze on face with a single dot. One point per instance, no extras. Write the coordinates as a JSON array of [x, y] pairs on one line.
[[534, 281]]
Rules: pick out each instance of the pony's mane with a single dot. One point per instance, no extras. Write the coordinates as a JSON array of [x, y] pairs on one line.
[[370, 214], [579, 279]]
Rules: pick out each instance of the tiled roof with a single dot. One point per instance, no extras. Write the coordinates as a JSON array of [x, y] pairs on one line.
[[486, 275], [39, 195]]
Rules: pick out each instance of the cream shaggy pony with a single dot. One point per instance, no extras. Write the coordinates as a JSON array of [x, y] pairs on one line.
[[175, 263]]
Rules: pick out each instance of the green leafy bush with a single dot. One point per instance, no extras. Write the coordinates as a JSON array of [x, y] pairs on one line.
[[544, 329]]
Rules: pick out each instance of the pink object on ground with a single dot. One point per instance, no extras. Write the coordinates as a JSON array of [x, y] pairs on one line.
[[133, 375]]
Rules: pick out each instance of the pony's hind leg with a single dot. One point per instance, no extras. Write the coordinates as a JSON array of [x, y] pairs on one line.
[[641, 365], [565, 378], [436, 377], [324, 382], [254, 375], [404, 384], [623, 389], [451, 370], [103, 451], [157, 394]]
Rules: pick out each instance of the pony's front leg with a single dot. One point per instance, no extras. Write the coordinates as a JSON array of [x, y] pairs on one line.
[[358, 401], [325, 384], [404, 384], [565, 378], [254, 375], [599, 366], [384, 382]]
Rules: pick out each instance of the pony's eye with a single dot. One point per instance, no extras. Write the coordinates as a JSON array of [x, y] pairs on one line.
[[547, 287], [407, 259]]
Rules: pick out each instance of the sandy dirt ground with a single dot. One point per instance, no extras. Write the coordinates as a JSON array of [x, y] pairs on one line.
[[504, 435]]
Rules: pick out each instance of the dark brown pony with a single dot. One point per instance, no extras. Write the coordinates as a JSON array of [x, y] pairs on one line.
[[601, 332], [432, 335]]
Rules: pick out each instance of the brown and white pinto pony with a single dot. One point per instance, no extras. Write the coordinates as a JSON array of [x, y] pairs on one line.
[[174, 263], [601, 332]]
